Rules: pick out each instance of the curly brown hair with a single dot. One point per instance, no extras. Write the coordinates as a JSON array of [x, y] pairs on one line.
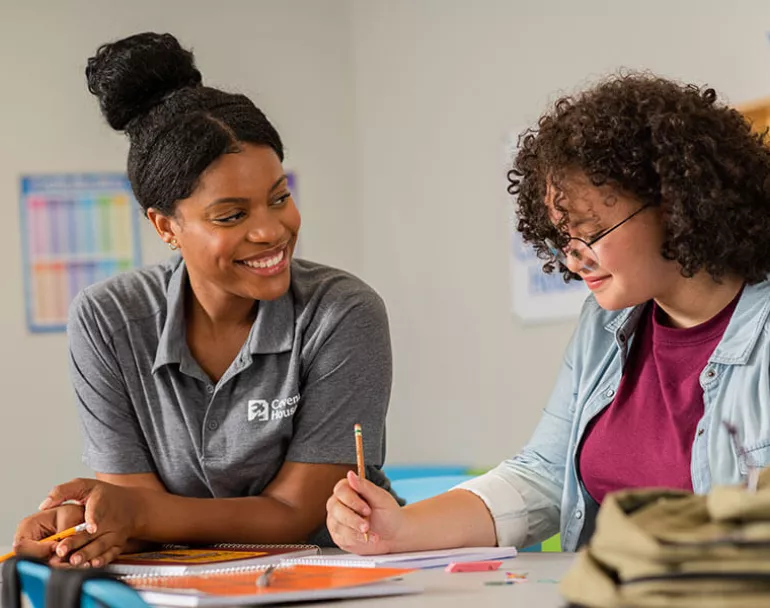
[[665, 144]]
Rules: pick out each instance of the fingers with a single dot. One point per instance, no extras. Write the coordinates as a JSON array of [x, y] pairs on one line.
[[94, 552], [342, 515], [375, 496], [69, 516], [345, 493], [35, 527], [346, 527], [347, 519], [98, 553], [95, 509], [73, 543], [77, 490], [33, 548]]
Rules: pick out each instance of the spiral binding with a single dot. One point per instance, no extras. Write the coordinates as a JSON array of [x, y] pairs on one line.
[[157, 574], [322, 561], [279, 563], [248, 547]]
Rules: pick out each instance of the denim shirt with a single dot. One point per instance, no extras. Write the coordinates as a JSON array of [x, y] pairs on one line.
[[538, 492]]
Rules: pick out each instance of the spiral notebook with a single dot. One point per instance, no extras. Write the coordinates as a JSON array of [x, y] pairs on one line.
[[188, 560], [239, 586], [416, 560]]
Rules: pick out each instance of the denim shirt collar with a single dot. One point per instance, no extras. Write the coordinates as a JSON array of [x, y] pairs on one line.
[[740, 337]]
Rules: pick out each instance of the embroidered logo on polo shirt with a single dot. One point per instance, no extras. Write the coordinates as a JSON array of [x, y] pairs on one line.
[[262, 410], [259, 409]]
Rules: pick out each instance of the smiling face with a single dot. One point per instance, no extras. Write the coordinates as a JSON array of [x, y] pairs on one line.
[[238, 229], [630, 269]]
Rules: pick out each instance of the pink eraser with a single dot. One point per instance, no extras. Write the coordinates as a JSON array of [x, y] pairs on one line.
[[472, 566]]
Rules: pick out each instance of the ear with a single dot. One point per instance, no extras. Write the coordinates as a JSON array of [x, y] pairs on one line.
[[166, 227]]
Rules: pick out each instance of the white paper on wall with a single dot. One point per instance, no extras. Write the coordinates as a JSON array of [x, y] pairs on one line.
[[539, 297]]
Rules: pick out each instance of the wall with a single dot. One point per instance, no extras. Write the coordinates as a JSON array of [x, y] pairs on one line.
[[291, 56], [439, 84], [396, 116]]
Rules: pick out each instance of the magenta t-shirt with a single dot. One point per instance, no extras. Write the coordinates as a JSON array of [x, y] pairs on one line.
[[644, 437]]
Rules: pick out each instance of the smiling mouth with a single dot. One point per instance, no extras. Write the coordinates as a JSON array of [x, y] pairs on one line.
[[595, 280], [265, 262]]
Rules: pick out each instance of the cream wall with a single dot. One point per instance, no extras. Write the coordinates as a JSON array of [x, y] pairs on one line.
[[291, 56], [395, 115], [438, 85]]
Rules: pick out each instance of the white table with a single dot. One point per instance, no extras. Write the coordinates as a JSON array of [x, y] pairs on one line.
[[467, 589]]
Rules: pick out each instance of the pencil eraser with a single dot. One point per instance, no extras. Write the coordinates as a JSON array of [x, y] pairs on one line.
[[472, 566]]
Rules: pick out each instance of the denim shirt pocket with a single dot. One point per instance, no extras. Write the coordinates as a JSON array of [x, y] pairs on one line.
[[756, 456]]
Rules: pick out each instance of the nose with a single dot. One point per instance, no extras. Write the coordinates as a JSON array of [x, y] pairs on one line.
[[265, 227], [577, 263]]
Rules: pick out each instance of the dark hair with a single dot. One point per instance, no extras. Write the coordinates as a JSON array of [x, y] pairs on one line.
[[149, 87], [668, 145]]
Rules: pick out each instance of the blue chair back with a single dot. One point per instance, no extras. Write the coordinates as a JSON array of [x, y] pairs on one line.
[[406, 471], [414, 489]]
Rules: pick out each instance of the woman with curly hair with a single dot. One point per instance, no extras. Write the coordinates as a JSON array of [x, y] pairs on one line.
[[658, 197]]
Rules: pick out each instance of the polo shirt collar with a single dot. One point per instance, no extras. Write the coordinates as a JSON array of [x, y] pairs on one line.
[[174, 334], [272, 331]]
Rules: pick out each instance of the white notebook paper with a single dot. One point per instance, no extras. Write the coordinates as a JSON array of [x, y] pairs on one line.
[[418, 559]]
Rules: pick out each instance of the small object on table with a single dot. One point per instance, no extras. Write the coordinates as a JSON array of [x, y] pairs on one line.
[[473, 566], [263, 580], [517, 575]]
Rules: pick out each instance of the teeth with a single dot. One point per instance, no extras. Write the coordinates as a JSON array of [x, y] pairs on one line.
[[266, 262]]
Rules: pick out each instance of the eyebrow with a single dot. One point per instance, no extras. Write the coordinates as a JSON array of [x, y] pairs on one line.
[[244, 199]]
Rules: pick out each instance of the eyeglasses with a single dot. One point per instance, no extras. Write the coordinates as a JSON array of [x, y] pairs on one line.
[[581, 250]]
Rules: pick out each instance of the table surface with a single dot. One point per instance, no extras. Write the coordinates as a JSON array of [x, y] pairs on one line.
[[543, 571]]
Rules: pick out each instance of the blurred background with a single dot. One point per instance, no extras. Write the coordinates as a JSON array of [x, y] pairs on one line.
[[398, 118]]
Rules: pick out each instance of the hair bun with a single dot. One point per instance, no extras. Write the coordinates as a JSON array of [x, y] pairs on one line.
[[134, 74]]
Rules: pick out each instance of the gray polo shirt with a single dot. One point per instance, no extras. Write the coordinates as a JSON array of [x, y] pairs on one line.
[[317, 360]]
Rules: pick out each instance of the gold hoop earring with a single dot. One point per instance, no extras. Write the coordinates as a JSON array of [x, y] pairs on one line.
[[173, 245]]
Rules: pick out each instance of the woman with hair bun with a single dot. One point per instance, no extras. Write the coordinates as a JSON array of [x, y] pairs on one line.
[[216, 391]]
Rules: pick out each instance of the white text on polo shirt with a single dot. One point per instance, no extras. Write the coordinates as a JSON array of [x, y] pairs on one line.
[[262, 410]]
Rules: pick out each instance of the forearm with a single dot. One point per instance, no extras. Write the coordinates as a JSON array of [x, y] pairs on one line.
[[454, 519], [167, 518]]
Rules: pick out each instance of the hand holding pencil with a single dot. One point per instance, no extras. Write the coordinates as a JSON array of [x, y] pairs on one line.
[[54, 538], [110, 512], [362, 517]]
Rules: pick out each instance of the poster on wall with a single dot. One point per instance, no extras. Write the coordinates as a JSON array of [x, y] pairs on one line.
[[77, 229], [291, 183], [538, 297]]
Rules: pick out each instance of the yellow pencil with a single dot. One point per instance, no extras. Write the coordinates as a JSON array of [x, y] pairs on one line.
[[53, 538], [360, 460]]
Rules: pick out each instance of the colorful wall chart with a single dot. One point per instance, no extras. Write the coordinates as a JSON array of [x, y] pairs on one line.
[[77, 229]]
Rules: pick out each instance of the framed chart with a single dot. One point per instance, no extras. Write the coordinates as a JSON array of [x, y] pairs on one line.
[[77, 229]]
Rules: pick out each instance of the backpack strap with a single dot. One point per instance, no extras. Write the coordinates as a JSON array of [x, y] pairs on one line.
[[11, 583]]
